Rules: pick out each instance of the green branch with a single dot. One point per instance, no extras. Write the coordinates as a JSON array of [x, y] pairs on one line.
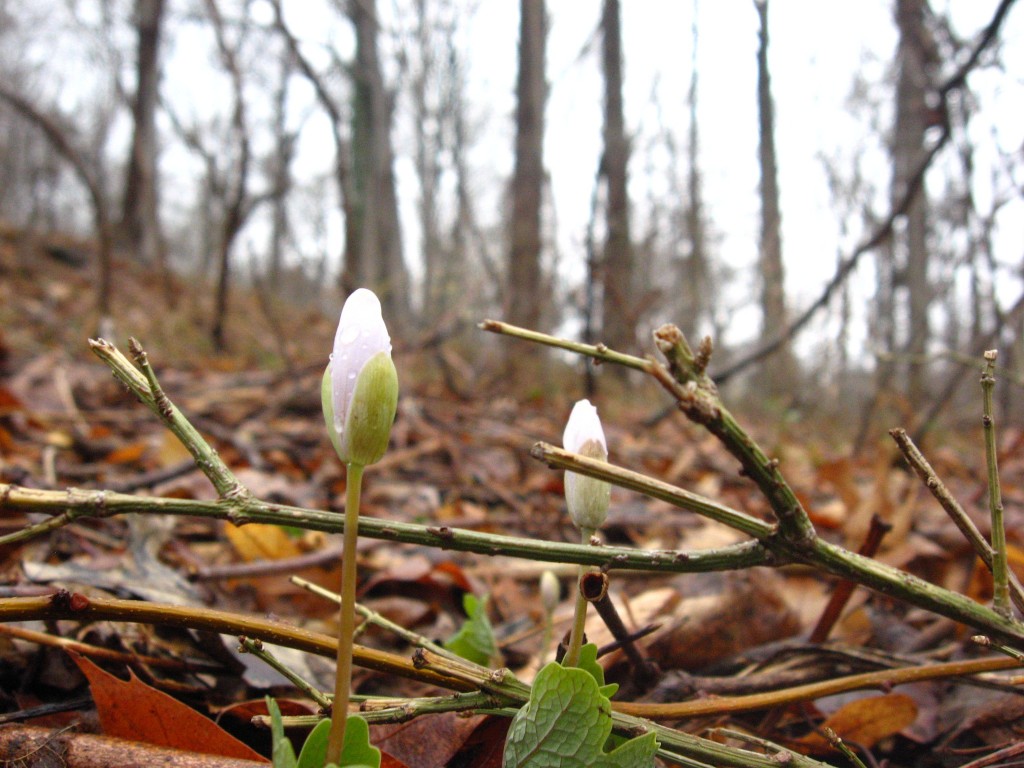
[[75, 504]]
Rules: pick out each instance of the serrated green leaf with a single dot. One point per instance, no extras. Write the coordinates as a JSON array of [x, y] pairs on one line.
[[356, 751], [282, 752], [566, 723], [314, 751], [475, 639], [588, 662]]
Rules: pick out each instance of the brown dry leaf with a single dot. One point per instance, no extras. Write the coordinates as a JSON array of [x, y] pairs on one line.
[[748, 611], [257, 541], [864, 722], [484, 747], [133, 710], [426, 742], [127, 454]]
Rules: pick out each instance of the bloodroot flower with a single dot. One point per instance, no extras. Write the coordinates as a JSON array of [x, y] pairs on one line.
[[586, 497], [360, 385]]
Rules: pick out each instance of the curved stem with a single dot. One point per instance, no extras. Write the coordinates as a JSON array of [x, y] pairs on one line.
[[346, 616], [579, 617]]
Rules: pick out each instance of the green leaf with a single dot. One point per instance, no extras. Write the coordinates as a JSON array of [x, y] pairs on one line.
[[475, 639], [314, 751], [588, 662], [566, 723], [357, 752], [283, 754]]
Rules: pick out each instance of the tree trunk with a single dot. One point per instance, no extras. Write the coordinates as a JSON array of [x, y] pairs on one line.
[[139, 228], [915, 56], [618, 314], [281, 175], [373, 255], [236, 204], [524, 266], [59, 137], [696, 278], [780, 368]]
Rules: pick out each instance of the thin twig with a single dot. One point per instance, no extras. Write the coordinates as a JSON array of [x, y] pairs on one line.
[[255, 647], [956, 513], [883, 679], [372, 617], [1000, 593], [148, 391], [597, 351]]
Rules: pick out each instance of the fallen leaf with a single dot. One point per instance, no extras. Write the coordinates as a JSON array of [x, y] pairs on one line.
[[426, 742], [130, 709], [257, 541], [127, 454], [864, 722]]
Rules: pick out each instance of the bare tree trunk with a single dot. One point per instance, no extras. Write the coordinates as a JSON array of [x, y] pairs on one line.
[[281, 175], [373, 243], [618, 315], [236, 204], [780, 367], [696, 283], [524, 266], [139, 228], [916, 55], [59, 137], [428, 120]]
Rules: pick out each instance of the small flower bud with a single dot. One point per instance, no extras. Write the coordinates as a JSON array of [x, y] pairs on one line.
[[587, 497], [360, 386], [549, 592]]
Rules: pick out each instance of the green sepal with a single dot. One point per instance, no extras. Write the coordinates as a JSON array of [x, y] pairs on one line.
[[371, 412]]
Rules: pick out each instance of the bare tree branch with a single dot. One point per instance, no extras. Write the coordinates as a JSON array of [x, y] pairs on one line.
[[60, 139], [885, 228]]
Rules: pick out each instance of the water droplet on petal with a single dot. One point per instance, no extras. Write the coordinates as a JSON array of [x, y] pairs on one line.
[[348, 335]]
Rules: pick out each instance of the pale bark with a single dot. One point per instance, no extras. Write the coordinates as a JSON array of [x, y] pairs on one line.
[[373, 254], [916, 56], [236, 204], [779, 373], [618, 318], [525, 282], [140, 230]]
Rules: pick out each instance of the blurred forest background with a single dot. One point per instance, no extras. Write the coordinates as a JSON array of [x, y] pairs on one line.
[[220, 173]]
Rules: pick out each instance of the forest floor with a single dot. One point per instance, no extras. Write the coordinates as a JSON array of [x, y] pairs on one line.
[[459, 458]]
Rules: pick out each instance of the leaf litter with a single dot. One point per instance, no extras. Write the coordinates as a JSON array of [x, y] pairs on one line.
[[465, 463]]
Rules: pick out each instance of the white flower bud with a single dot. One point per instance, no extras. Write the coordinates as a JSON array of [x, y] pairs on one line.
[[360, 386], [549, 592], [587, 497]]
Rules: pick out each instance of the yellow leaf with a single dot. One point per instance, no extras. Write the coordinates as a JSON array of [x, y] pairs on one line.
[[865, 722], [256, 541]]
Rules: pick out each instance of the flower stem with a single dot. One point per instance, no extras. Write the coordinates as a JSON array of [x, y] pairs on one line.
[[346, 616], [579, 618]]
